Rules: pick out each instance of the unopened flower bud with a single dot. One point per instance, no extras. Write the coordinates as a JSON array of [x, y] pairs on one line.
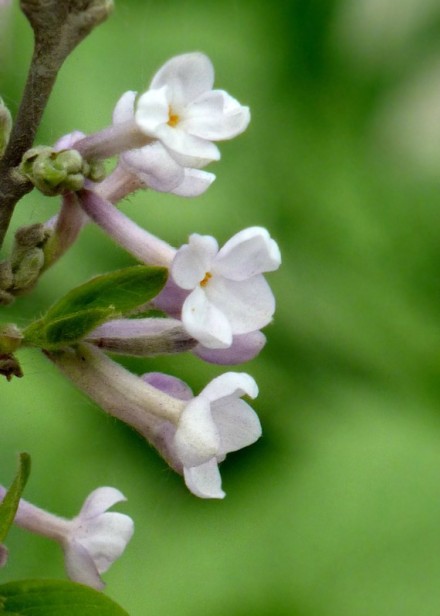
[[10, 338]]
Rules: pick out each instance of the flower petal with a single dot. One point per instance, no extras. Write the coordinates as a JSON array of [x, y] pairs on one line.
[[99, 501], [204, 480], [124, 108], [152, 111], [186, 149], [243, 348], [195, 183], [216, 116], [187, 76], [154, 167], [193, 260], [80, 566], [104, 537], [230, 384], [205, 322], [247, 253], [171, 385], [197, 439], [237, 423], [248, 304], [67, 141]]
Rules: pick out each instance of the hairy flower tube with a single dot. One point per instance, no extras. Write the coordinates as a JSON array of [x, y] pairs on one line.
[[91, 541], [193, 436]]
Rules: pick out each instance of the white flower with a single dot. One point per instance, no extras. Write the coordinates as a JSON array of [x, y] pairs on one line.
[[183, 111], [96, 537], [229, 295], [211, 425], [152, 164]]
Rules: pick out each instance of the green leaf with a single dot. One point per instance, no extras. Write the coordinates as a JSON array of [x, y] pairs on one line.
[[9, 505], [98, 300], [55, 597], [122, 290]]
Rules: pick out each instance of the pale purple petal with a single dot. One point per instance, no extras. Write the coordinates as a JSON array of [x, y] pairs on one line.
[[67, 141], [205, 322], [80, 566], [216, 116], [197, 439], [171, 298], [243, 348], [124, 108], [187, 76], [234, 384], [204, 480], [248, 304], [195, 183], [99, 501], [237, 423], [152, 111], [194, 260], [247, 253], [171, 385]]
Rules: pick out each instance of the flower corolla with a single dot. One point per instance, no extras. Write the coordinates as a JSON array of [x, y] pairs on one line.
[[152, 164], [185, 114], [211, 425], [96, 537], [229, 295]]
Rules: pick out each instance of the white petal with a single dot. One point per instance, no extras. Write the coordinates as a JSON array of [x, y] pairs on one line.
[[186, 149], [124, 108], [230, 384], [154, 167], [195, 183], [248, 304], [193, 260], [204, 480], [80, 566], [99, 501], [105, 537], [247, 253], [216, 116], [237, 423], [197, 439], [187, 76], [152, 111], [205, 322]]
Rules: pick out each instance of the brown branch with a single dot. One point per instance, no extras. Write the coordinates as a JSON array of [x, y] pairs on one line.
[[58, 25]]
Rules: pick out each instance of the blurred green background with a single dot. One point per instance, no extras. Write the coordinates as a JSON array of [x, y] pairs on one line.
[[336, 511]]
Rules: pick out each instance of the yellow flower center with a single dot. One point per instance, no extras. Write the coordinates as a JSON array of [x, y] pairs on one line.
[[173, 118], [205, 281]]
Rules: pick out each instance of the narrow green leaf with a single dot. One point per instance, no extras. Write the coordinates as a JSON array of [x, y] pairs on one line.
[[60, 598], [122, 290], [9, 505]]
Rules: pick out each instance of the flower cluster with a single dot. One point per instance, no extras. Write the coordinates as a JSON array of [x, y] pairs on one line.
[[214, 304]]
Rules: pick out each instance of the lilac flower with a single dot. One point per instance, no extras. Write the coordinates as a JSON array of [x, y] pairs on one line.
[[193, 434], [91, 541], [229, 295], [185, 114]]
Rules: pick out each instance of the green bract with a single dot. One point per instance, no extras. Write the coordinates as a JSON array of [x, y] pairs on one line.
[[43, 597], [98, 300]]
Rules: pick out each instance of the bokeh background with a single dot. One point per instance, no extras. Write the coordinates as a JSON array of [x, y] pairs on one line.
[[336, 511]]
